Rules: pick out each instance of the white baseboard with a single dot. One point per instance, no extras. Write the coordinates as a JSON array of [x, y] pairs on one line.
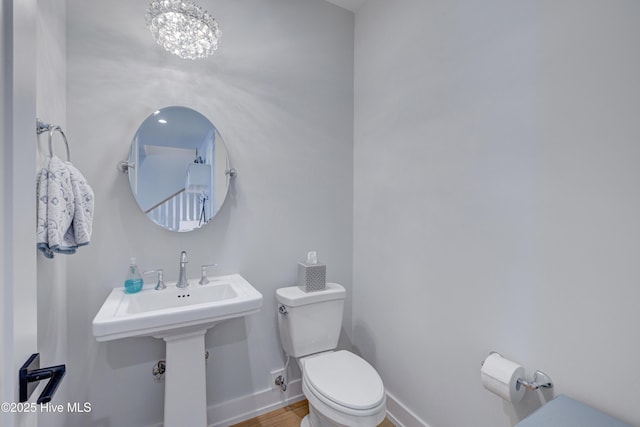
[[244, 408], [400, 415]]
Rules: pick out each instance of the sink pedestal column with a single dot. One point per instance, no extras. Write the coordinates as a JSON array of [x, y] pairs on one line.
[[185, 390]]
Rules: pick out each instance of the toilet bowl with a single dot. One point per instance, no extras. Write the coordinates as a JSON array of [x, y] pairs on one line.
[[342, 388]]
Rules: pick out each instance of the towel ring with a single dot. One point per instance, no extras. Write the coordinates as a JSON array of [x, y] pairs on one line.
[[42, 127]]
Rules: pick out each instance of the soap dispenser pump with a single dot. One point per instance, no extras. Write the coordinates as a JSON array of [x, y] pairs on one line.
[[133, 282]]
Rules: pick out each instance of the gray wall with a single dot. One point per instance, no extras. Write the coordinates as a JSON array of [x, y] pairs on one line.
[[496, 200], [280, 91]]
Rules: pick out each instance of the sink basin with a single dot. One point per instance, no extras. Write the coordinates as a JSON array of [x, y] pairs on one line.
[[179, 298], [175, 310]]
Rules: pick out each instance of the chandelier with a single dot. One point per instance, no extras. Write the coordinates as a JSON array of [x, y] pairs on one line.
[[183, 28]]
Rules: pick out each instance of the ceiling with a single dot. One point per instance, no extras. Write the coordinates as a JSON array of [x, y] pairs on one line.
[[352, 5]]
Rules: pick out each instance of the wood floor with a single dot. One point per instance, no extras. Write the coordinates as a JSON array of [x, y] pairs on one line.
[[289, 416]]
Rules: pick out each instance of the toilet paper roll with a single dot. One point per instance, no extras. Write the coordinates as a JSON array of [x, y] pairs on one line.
[[500, 376]]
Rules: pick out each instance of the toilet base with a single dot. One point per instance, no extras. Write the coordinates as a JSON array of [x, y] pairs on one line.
[[316, 419]]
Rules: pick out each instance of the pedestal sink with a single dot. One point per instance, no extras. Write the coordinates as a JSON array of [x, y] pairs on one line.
[[181, 317]]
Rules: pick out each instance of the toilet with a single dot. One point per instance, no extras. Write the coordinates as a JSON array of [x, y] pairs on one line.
[[341, 387]]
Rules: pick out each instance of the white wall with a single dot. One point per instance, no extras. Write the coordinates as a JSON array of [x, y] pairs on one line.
[[280, 93], [18, 328], [496, 201], [5, 371], [51, 107], [32, 85], [5, 391]]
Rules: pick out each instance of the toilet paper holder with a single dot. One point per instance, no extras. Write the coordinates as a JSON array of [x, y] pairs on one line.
[[540, 379]]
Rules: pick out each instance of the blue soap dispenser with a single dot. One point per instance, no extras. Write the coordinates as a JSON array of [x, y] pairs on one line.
[[133, 283]]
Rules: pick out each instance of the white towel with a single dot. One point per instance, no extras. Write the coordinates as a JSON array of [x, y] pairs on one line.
[[65, 208], [41, 213], [83, 213]]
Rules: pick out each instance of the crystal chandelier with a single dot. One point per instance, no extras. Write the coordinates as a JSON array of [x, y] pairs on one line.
[[183, 28]]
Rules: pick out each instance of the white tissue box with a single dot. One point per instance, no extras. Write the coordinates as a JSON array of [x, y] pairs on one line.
[[313, 277]]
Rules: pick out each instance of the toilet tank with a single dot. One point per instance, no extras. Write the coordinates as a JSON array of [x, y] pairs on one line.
[[310, 322]]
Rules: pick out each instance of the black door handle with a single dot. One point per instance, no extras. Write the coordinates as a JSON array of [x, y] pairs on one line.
[[31, 373]]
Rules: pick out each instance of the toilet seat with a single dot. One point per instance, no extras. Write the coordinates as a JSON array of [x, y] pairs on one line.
[[344, 382]]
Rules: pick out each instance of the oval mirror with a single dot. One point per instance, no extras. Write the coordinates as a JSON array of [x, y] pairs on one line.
[[178, 168]]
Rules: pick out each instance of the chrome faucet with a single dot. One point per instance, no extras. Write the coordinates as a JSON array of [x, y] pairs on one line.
[[182, 277]]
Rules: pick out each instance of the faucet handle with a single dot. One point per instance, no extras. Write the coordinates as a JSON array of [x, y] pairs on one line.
[[203, 270], [160, 285]]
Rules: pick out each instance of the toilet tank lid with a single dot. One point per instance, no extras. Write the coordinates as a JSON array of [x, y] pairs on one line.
[[293, 296]]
